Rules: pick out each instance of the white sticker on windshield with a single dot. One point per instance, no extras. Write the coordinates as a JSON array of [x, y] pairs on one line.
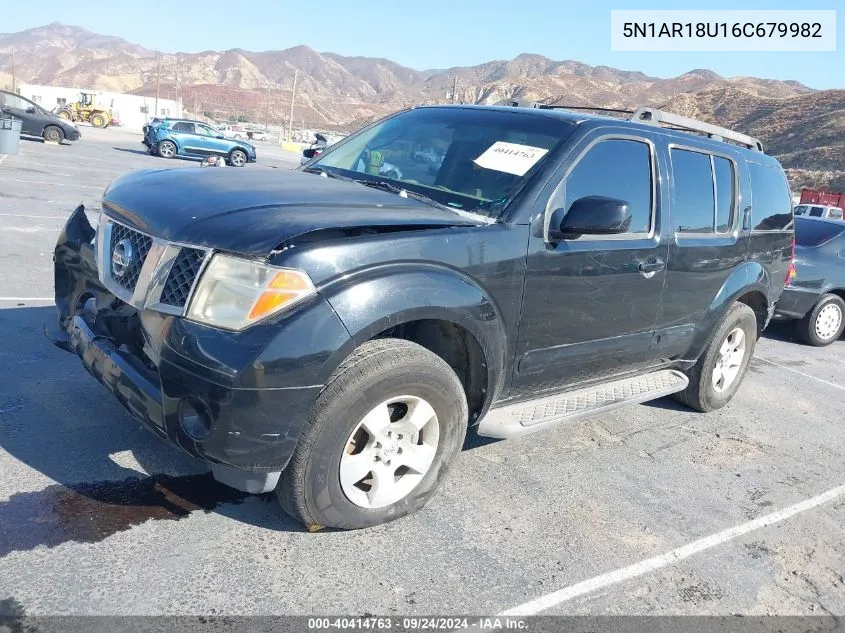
[[510, 158]]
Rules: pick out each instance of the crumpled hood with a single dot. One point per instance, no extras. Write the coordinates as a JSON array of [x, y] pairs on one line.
[[253, 210]]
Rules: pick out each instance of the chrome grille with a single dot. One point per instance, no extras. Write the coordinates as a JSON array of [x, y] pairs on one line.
[[140, 246], [147, 272], [182, 275]]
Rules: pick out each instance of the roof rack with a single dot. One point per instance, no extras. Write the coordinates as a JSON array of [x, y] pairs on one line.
[[653, 116]]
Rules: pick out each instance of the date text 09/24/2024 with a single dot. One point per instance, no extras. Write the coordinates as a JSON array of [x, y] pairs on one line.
[[377, 623]]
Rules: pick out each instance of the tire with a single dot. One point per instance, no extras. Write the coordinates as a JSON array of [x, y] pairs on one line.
[[237, 158], [701, 393], [238, 137], [824, 324], [402, 377], [97, 120], [167, 149], [53, 134], [64, 114]]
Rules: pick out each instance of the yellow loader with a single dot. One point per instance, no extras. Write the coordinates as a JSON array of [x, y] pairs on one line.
[[87, 110]]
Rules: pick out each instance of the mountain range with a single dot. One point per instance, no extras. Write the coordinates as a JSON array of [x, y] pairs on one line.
[[804, 128]]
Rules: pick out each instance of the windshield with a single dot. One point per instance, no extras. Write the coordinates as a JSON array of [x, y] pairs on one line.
[[469, 159]]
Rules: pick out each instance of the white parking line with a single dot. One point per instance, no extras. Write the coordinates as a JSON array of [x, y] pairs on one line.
[[584, 587], [3, 157], [801, 373], [47, 182], [27, 298]]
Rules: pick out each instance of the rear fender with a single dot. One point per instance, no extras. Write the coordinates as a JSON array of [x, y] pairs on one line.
[[746, 278], [376, 300]]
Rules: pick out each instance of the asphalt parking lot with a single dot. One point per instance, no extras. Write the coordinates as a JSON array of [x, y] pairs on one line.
[[649, 510]]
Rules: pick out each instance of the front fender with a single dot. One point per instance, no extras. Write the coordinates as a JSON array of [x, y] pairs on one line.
[[378, 299]]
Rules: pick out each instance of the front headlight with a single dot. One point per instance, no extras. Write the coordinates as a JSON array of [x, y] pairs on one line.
[[234, 292]]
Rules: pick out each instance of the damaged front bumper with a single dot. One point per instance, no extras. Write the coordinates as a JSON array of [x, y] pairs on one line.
[[216, 395]]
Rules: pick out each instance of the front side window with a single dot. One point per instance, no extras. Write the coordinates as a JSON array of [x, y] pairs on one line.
[[817, 212], [205, 130], [801, 209], [468, 159], [13, 101], [613, 168], [835, 213]]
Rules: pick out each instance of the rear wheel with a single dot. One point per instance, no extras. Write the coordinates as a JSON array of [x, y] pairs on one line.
[[53, 134], [824, 323], [237, 158], [378, 440], [167, 149], [716, 377]]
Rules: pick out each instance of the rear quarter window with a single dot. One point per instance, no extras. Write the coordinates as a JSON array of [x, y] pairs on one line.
[[771, 200], [813, 233]]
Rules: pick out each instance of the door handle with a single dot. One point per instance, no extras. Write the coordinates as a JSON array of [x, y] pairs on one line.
[[651, 266], [746, 218]]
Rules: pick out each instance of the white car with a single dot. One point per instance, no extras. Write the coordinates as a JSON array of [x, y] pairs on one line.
[[259, 135], [819, 211]]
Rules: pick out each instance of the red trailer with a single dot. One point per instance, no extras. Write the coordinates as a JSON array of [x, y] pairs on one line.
[[819, 196]]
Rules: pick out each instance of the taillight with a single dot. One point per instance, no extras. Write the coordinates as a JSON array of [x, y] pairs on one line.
[[791, 273]]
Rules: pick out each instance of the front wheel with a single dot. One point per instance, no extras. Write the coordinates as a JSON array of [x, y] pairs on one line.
[[237, 158], [824, 323], [98, 120], [53, 134], [378, 440], [716, 377]]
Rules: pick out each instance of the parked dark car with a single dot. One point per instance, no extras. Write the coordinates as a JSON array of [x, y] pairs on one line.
[[35, 120], [814, 297], [170, 138], [330, 333]]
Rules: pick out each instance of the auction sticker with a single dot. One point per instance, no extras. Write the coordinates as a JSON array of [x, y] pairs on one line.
[[510, 158]]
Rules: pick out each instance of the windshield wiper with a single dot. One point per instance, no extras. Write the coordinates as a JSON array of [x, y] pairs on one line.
[[404, 193], [322, 171]]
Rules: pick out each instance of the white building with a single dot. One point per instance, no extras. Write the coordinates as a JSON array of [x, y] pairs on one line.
[[132, 111]]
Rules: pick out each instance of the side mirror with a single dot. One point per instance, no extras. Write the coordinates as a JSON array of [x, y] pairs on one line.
[[30, 110], [591, 215], [220, 136], [308, 152]]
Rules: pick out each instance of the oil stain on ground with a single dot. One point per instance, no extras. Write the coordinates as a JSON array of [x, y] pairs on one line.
[[91, 512]]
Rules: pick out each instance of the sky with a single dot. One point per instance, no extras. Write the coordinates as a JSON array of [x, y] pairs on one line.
[[427, 34]]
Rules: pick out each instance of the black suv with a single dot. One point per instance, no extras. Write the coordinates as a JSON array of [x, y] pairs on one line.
[[330, 333]]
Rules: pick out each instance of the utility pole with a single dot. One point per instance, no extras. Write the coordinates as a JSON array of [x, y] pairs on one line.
[[158, 82], [292, 96], [13, 73], [196, 112], [455, 87], [267, 115]]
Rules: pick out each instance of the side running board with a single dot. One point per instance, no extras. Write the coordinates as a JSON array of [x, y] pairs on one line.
[[538, 414]]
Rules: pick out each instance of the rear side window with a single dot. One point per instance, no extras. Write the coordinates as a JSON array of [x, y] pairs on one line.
[[771, 200], [812, 233], [703, 192], [801, 209], [615, 168], [836, 213], [817, 212]]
